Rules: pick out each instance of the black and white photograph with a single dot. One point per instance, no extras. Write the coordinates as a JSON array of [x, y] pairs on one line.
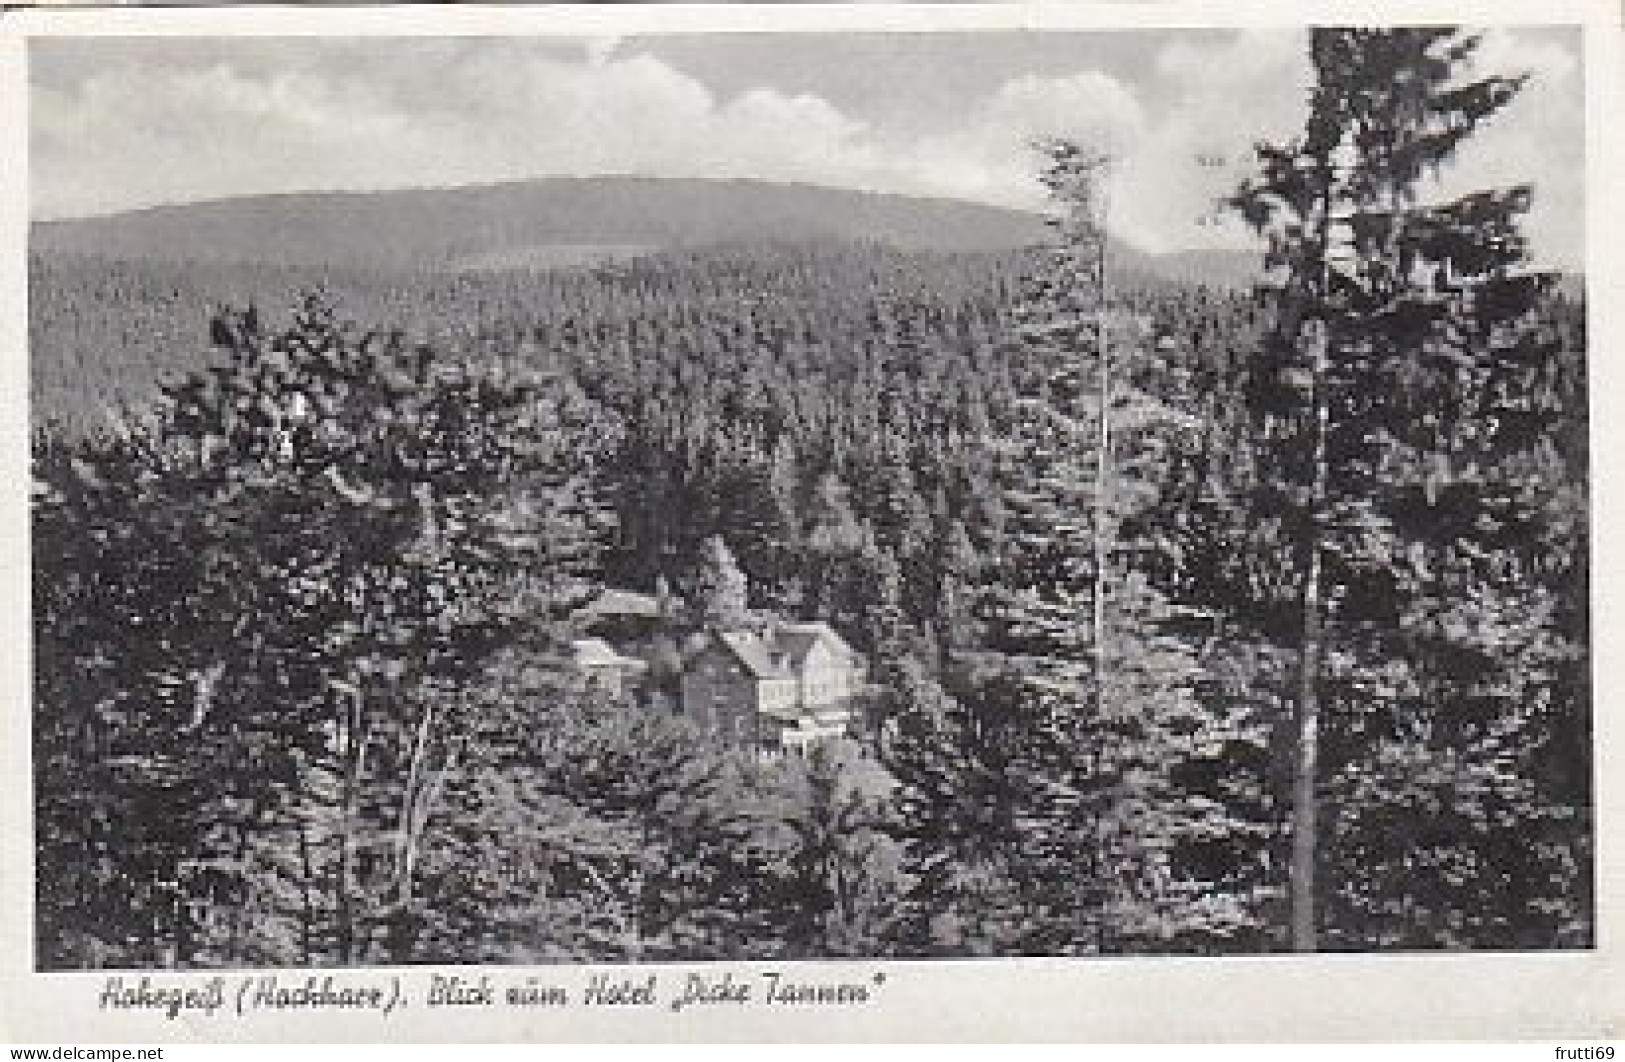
[[652, 497]]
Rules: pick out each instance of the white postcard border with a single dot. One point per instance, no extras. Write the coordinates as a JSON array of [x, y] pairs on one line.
[[1550, 997]]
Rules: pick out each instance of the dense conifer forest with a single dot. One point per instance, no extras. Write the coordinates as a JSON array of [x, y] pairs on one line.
[[310, 548]]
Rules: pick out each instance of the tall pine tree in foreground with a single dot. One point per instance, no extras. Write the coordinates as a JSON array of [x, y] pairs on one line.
[[1052, 795], [1408, 418]]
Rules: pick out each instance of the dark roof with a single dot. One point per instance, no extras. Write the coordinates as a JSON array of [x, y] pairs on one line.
[[781, 652], [759, 658], [797, 640]]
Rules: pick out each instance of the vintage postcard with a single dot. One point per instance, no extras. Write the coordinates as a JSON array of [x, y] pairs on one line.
[[811, 522]]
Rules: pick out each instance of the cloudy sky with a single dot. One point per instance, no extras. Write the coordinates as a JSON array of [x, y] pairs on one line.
[[123, 123]]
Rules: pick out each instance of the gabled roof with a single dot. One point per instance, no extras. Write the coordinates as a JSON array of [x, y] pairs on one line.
[[797, 640], [613, 602], [595, 652], [782, 651], [757, 656]]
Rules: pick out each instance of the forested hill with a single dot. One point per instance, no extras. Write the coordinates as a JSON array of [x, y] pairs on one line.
[[569, 221], [540, 220]]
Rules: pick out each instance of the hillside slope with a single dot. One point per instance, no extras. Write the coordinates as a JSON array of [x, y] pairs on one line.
[[472, 225], [567, 221]]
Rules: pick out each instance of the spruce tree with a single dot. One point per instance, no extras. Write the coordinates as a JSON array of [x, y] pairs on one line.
[[1396, 426], [1094, 704]]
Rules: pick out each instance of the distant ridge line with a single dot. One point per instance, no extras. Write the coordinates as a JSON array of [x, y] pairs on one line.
[[563, 221]]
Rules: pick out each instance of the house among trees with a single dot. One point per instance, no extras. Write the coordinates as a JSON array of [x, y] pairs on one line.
[[604, 667], [785, 688], [752, 680], [625, 615]]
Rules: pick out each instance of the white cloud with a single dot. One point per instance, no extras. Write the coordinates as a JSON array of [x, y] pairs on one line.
[[199, 132], [1227, 96], [991, 157], [128, 136], [1089, 106], [120, 128]]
